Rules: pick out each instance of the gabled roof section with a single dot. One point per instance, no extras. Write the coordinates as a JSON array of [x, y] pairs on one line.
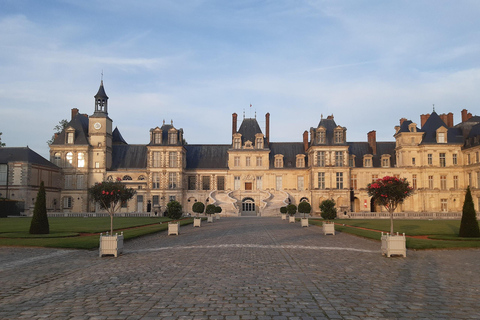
[[24, 154], [129, 156], [359, 149], [329, 125], [101, 92], [214, 156], [289, 150], [117, 137], [248, 129], [454, 135], [404, 126], [80, 124]]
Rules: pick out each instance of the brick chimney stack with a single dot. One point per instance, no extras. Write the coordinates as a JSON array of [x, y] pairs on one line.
[[305, 140], [234, 123], [466, 115], [423, 119], [448, 119], [74, 112], [372, 141], [402, 121], [267, 128]]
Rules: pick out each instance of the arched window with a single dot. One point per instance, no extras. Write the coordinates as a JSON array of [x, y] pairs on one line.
[[57, 159], [141, 178], [126, 177], [69, 159], [81, 159]]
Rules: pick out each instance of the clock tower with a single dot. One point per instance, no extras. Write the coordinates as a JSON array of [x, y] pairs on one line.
[[100, 136]]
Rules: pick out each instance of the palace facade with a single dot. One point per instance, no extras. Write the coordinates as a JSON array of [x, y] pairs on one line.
[[255, 176]]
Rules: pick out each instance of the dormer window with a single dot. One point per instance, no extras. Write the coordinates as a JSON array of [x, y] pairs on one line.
[[442, 135], [412, 127], [172, 137], [321, 136], [300, 161], [157, 137], [279, 161], [367, 160], [339, 135], [351, 161], [237, 142], [259, 142], [386, 160], [248, 145]]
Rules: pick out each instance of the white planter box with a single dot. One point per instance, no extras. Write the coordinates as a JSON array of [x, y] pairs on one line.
[[284, 216], [174, 228], [217, 216], [111, 245], [210, 219], [304, 222], [197, 222], [291, 219], [328, 228], [394, 245]]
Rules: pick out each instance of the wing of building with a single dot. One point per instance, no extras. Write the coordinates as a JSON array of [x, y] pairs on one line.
[[255, 176]]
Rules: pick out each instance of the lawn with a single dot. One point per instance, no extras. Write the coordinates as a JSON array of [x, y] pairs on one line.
[[79, 233], [442, 234]]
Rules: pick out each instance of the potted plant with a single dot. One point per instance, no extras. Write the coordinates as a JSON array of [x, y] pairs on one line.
[[174, 212], [283, 211], [198, 207], [210, 210], [291, 210], [218, 210], [328, 212], [305, 208], [390, 192], [110, 195]]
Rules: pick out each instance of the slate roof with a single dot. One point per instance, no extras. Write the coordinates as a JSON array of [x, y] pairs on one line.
[[359, 149], [213, 156], [165, 128], [117, 137], [101, 92], [329, 125], [248, 129], [24, 154], [129, 156], [404, 126], [289, 151], [454, 135], [80, 124]]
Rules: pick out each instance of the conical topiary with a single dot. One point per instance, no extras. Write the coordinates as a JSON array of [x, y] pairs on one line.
[[39, 224], [469, 225]]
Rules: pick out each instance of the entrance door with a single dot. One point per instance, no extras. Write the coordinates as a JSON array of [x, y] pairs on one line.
[[248, 207], [248, 186], [139, 203]]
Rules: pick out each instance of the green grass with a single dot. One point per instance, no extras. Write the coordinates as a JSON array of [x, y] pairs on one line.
[[65, 232], [443, 234]]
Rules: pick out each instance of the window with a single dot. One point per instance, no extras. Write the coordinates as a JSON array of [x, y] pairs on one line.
[[455, 182], [339, 180], [430, 182], [192, 182], [259, 183], [220, 183], [338, 158], [3, 174], [442, 159], [278, 162], [478, 179], [374, 177], [385, 162], [441, 137], [454, 159], [156, 180], [259, 161], [80, 182], [157, 138], [68, 181], [278, 185], [444, 205], [321, 137], [206, 183], [57, 159], [156, 159], [172, 198], [468, 159], [429, 159], [259, 143], [300, 183], [236, 183], [67, 202], [367, 161], [476, 157], [236, 161], [443, 182], [353, 181], [155, 200], [338, 136], [320, 158], [69, 159], [70, 136], [413, 161], [126, 177], [470, 179], [236, 143], [414, 181], [81, 160], [97, 165], [300, 162], [321, 180], [351, 161], [141, 178], [172, 159], [172, 180], [172, 138], [247, 161]]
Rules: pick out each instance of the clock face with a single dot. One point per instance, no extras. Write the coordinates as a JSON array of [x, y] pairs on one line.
[[97, 125]]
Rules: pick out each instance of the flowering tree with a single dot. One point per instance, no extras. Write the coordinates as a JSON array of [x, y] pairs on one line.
[[389, 192], [110, 195]]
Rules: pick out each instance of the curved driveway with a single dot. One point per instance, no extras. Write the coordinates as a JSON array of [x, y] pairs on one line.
[[240, 268]]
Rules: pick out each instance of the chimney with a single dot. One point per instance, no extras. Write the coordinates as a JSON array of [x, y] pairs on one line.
[[267, 128], [402, 121], [234, 123], [450, 120], [469, 115], [464, 115], [74, 112], [305, 140], [444, 118], [424, 118], [372, 141]]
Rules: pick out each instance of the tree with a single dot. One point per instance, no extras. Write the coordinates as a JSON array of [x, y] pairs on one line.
[[291, 209], [39, 224], [304, 207], [198, 207], [62, 124], [210, 209], [283, 210], [218, 209], [389, 192], [174, 210], [1, 143], [110, 195], [469, 224], [328, 210]]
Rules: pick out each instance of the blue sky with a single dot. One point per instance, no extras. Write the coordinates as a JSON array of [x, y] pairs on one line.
[[369, 63]]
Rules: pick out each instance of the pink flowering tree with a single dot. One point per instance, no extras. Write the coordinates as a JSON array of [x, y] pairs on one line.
[[110, 195], [389, 192]]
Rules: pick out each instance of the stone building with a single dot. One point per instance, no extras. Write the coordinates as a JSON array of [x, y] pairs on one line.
[[255, 176]]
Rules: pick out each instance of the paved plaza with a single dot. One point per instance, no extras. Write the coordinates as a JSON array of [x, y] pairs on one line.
[[240, 268]]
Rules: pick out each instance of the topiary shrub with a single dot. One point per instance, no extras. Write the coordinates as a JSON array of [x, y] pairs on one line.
[[39, 224], [198, 207], [174, 210], [283, 210], [210, 209], [304, 207], [469, 224], [328, 210], [291, 209], [218, 209]]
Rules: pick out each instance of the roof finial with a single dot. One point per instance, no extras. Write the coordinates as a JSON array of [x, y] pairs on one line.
[[321, 116], [102, 77], [171, 122], [434, 107], [163, 121], [243, 114]]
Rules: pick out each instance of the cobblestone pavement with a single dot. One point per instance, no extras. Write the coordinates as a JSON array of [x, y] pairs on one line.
[[240, 268]]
